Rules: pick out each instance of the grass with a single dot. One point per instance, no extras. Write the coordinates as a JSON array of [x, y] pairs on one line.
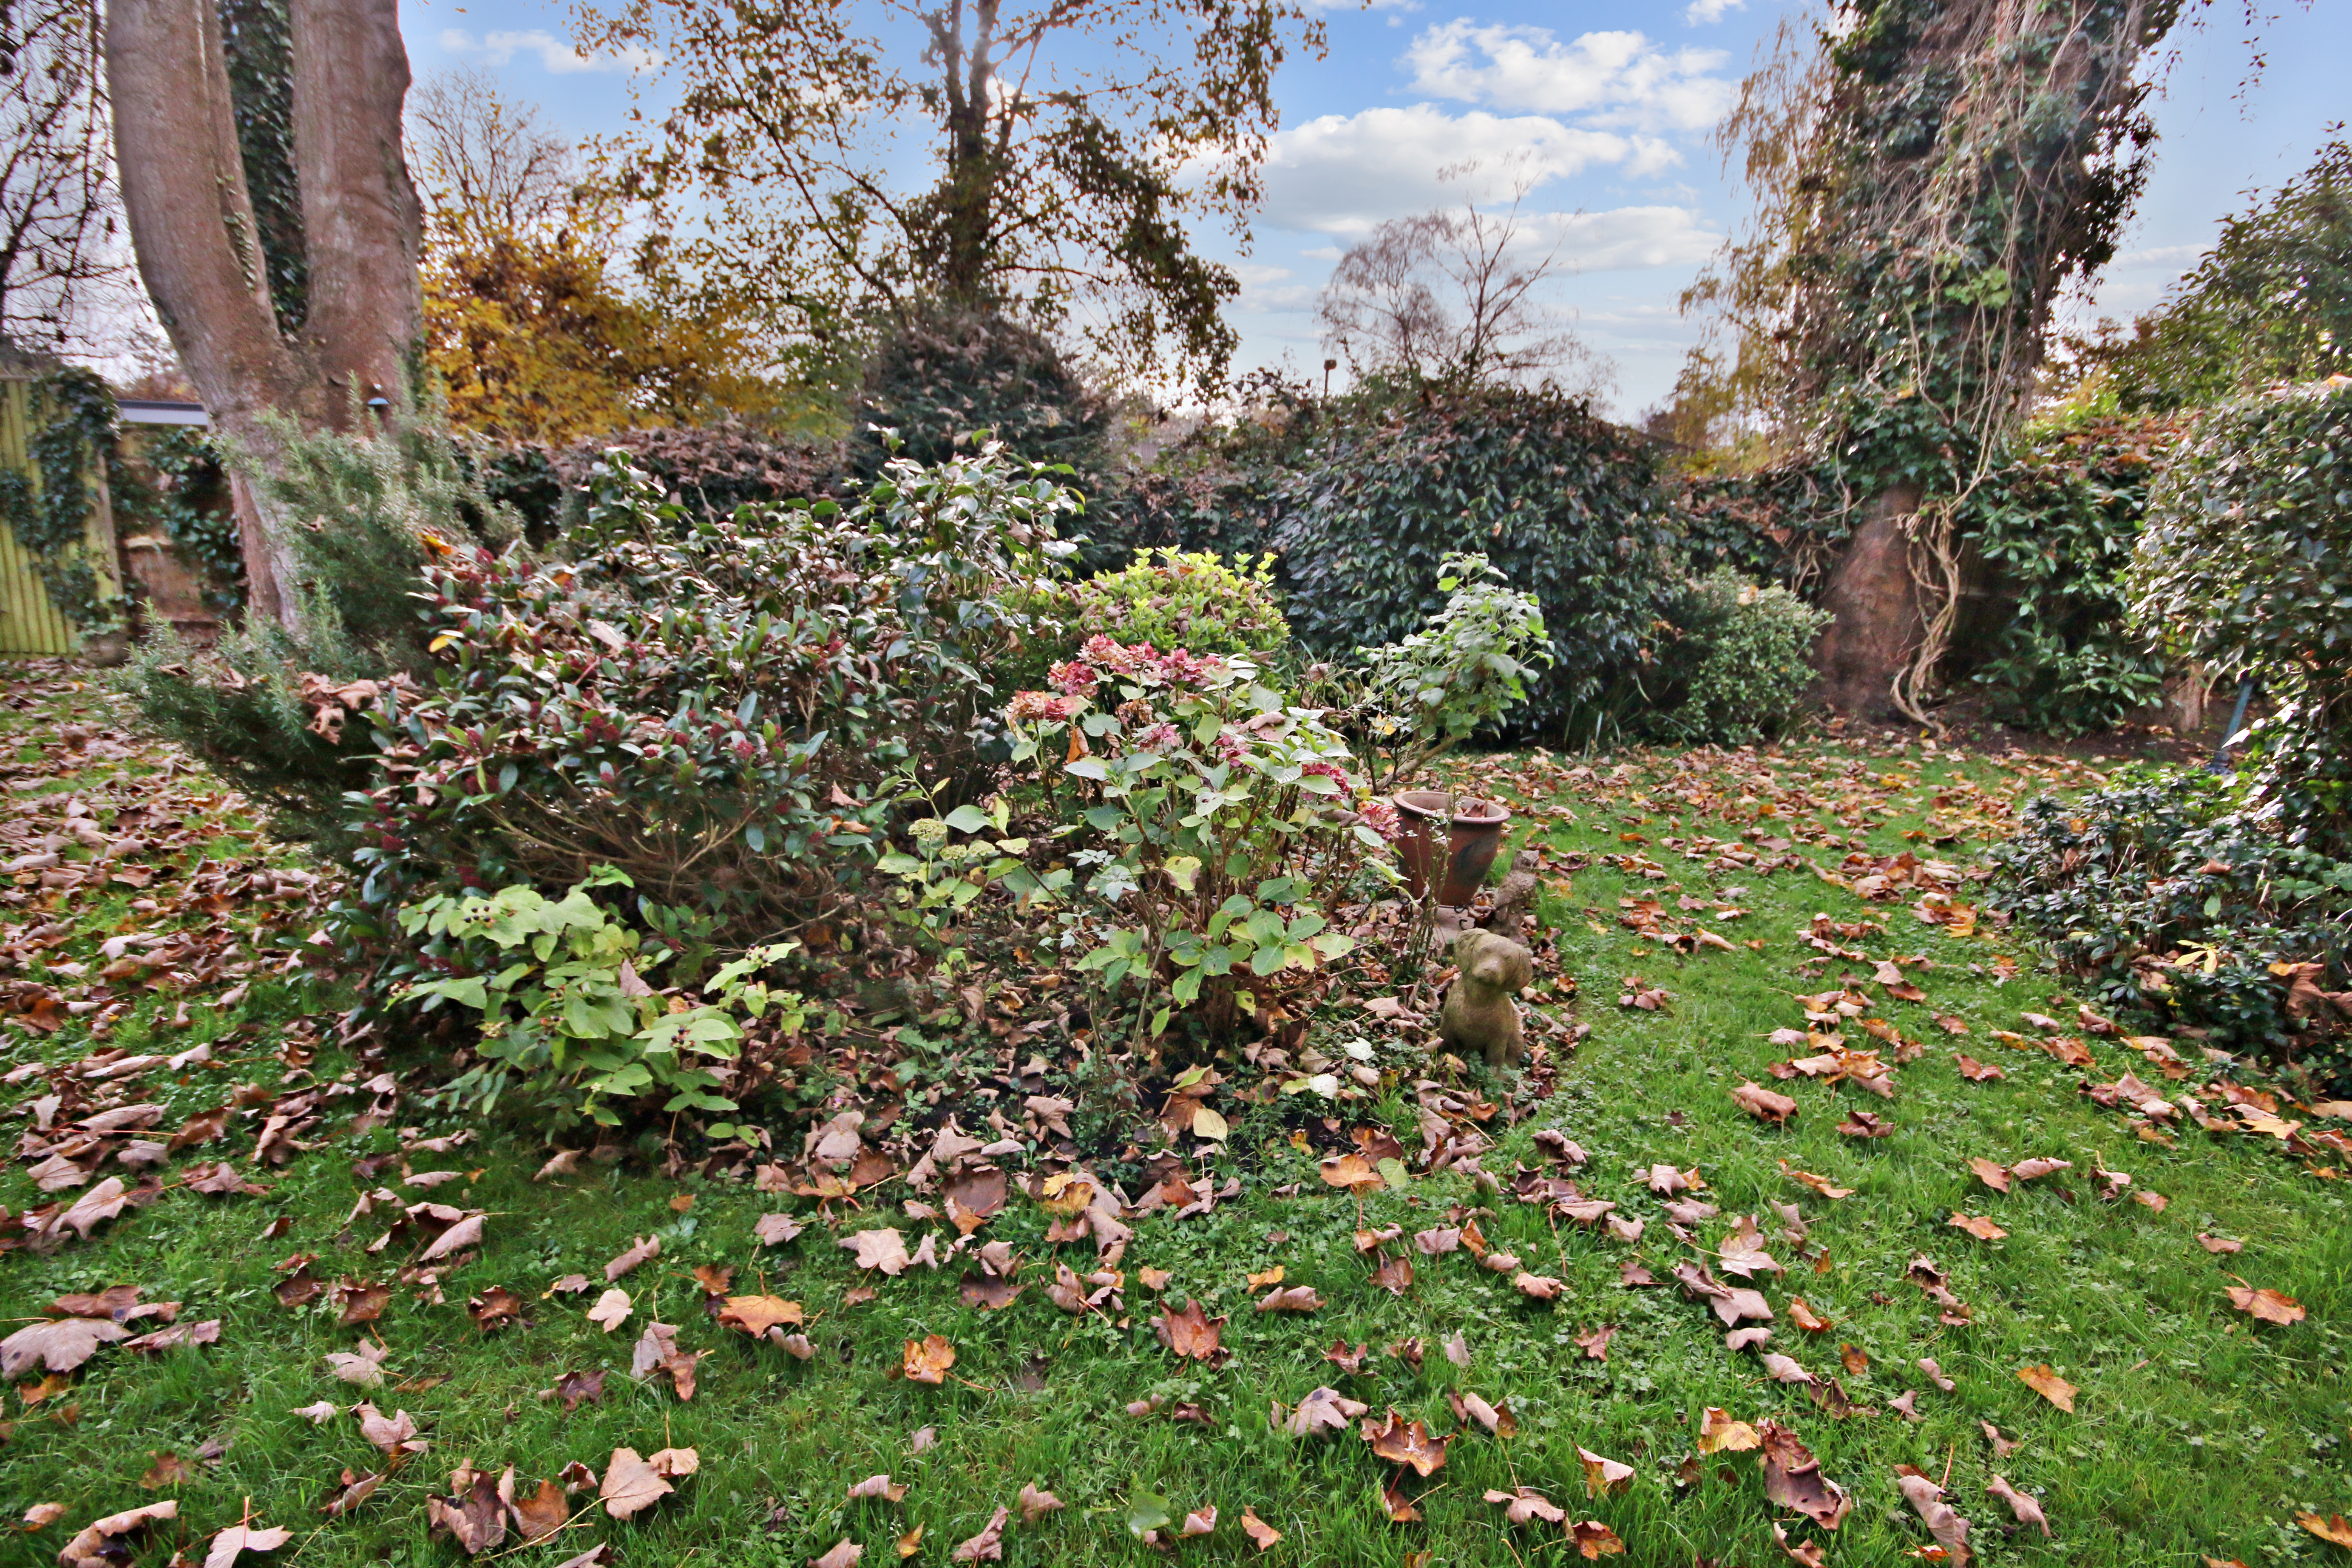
[[2196, 1433]]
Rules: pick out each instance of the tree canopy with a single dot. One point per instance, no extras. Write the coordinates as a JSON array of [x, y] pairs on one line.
[[852, 160]]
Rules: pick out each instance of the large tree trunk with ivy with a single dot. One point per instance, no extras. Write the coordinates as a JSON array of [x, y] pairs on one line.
[[1931, 173], [276, 225]]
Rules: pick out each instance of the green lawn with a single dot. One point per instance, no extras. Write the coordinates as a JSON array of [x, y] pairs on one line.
[[2196, 1431]]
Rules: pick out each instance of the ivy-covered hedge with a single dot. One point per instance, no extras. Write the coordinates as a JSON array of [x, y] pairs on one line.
[[2246, 564], [1568, 506], [2056, 527]]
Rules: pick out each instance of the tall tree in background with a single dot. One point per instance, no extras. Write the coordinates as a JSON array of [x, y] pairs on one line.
[[542, 322], [1457, 295], [1929, 174], [1053, 188], [260, 144], [61, 257]]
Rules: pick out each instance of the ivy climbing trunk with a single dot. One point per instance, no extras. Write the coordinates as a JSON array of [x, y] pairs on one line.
[[192, 205]]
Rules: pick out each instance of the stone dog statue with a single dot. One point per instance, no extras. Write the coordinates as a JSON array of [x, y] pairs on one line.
[[1480, 1015]]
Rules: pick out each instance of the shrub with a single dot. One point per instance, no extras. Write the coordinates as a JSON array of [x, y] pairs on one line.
[[1209, 827], [569, 1021], [2188, 910], [1739, 668], [2246, 564], [2058, 524], [1568, 506], [720, 709], [944, 374], [360, 515], [1461, 674], [1197, 603]]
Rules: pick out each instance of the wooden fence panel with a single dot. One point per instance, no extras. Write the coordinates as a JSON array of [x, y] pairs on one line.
[[29, 621]]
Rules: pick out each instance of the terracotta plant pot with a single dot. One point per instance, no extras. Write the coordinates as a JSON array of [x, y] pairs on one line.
[[1474, 835]]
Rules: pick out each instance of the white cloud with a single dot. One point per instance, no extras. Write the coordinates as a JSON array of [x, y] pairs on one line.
[[555, 56], [1616, 78], [1625, 238], [2171, 257], [1707, 13], [1271, 288], [1328, 6], [1342, 174]]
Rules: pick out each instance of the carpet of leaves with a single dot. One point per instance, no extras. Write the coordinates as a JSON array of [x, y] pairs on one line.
[[1805, 1234]]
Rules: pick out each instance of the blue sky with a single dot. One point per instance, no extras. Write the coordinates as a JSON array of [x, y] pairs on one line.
[[1606, 107]]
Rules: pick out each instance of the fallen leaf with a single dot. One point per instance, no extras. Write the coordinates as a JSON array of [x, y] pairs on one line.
[[61, 1345], [465, 1233], [1594, 1540], [755, 1315], [364, 1366], [2335, 1528], [1526, 1504], [1191, 1333], [1976, 1071], [578, 1388], [1296, 1299], [2034, 1169], [2003, 1448], [1991, 1175], [775, 1229], [472, 1515], [1200, 1522], [1719, 1434], [42, 1515], [1983, 1229], [2266, 1306], [2050, 1386], [1035, 1503], [539, 1515], [168, 1471], [1595, 1345], [882, 1249], [1406, 1443], [642, 1251], [1762, 1104], [89, 1548], [1323, 1409], [1603, 1476], [631, 1485], [1811, 1554], [2024, 1508], [988, 1546], [1926, 1499], [1802, 1314], [844, 1554], [926, 1360], [1536, 1287], [881, 1486], [1792, 1478], [1263, 1534], [2219, 1245]]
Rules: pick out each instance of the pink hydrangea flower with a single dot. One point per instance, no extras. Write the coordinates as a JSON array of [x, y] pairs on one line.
[[1333, 772], [1076, 677], [1232, 746], [1106, 654], [1182, 668], [1039, 705], [1379, 815], [1161, 737]]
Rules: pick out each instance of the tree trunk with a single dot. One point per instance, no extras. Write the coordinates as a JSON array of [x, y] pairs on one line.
[[1878, 622], [192, 224]]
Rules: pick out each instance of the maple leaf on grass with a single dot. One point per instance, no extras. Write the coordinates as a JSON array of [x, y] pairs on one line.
[[1990, 1175], [2046, 1383], [2024, 1508], [1793, 1479], [1200, 1522], [2335, 1528], [1719, 1434], [364, 1366], [642, 1251], [1805, 1318], [1324, 1409], [1296, 1299], [1498, 1420], [540, 1513], [1943, 1522], [633, 1484], [1603, 1476], [1191, 1333], [1346, 1360], [1762, 1104], [1595, 1345], [1399, 1507], [879, 1487], [988, 1546], [578, 1388], [2035, 1169], [1394, 1275], [395, 1433], [926, 1360], [91, 1546], [60, 1344], [657, 1351], [1983, 1229], [1527, 1503], [845, 1554], [756, 1315], [2265, 1305], [879, 1249], [1536, 1287], [1035, 1503], [1594, 1540], [1264, 1535], [1406, 1443], [474, 1515], [1810, 1554]]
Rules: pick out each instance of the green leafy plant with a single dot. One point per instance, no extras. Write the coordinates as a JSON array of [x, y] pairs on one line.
[[1174, 600], [721, 709], [51, 519], [569, 1020], [1739, 668], [2246, 565], [1410, 702], [1209, 828], [1569, 508], [2058, 524]]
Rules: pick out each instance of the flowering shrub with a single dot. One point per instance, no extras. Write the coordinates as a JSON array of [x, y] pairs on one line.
[[1208, 827], [568, 1020], [723, 711]]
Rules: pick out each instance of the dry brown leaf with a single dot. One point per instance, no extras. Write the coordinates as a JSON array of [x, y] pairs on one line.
[[988, 1546], [1536, 1287], [1191, 1333], [1603, 1476], [1595, 1345], [2034, 1169], [2335, 1528], [755, 1315], [1527, 1503], [845, 1554], [631, 1485], [1406, 1443], [1200, 1522], [538, 1515], [1263, 1534], [1792, 1478], [926, 1360], [1991, 1175], [2024, 1508], [1594, 1540], [1762, 1104], [1982, 1228], [2046, 1383], [89, 1548], [474, 1515], [2266, 1306], [1296, 1299], [879, 1487], [60, 1344], [1035, 1503], [1811, 1554], [1719, 1434], [1943, 1522]]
